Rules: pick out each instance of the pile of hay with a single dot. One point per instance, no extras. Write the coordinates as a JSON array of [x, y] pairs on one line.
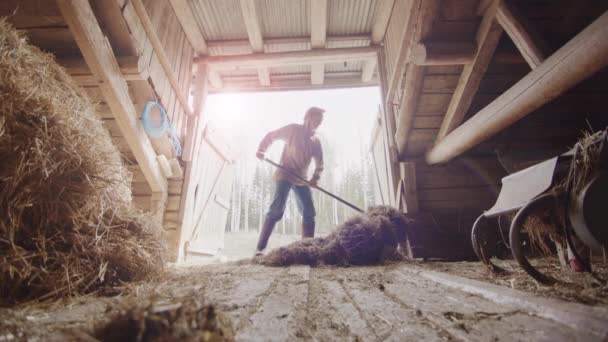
[[188, 320], [66, 222], [362, 240]]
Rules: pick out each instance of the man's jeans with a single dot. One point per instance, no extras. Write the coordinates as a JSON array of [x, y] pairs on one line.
[[277, 208]]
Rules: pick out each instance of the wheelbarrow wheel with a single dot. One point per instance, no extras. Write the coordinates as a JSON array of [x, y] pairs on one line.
[[515, 237]]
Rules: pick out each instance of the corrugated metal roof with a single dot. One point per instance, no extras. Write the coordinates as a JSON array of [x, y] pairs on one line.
[[219, 19], [230, 50], [222, 20], [281, 18], [350, 16]]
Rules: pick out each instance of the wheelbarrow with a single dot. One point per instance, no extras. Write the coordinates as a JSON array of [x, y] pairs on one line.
[[548, 185]]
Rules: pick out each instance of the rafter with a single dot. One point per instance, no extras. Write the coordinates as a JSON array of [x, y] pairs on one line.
[[289, 58], [185, 15], [581, 57], [287, 40], [96, 51], [294, 82], [380, 22], [318, 35], [488, 35], [522, 33], [254, 32]]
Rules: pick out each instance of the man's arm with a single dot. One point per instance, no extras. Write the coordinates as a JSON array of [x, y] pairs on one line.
[[318, 158], [269, 138]]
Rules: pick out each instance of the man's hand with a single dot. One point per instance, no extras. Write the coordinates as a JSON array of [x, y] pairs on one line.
[[313, 183], [260, 155]]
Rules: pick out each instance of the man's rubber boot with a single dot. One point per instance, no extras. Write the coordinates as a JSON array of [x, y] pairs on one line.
[[308, 230], [265, 233]]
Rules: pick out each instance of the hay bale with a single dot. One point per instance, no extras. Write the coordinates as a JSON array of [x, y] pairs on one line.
[[362, 240], [66, 222], [187, 320]]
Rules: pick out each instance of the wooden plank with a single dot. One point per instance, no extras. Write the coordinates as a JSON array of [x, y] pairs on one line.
[[411, 9], [185, 15], [532, 47], [199, 98], [173, 202], [159, 50], [113, 24], [277, 59], [282, 84], [175, 187], [129, 67], [410, 193], [141, 189], [433, 104], [414, 76], [142, 202], [426, 122], [138, 34], [254, 32], [445, 53], [98, 55], [456, 194], [29, 14], [318, 37], [57, 40], [369, 67], [439, 84], [137, 174], [488, 36], [318, 23], [580, 58]]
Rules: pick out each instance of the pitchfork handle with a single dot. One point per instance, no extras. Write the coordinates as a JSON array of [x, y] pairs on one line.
[[314, 186]]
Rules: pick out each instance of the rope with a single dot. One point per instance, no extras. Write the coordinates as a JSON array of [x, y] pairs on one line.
[[164, 126]]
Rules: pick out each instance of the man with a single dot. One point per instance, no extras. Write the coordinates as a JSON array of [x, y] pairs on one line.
[[301, 146]]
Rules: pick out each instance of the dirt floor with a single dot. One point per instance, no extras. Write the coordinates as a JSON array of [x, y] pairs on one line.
[[398, 302]]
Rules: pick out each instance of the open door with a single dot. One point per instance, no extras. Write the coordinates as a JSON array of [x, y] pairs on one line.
[[380, 152], [208, 210]]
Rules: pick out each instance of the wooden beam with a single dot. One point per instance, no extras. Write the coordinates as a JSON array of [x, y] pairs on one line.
[[581, 57], [194, 123], [409, 187], [488, 35], [522, 33], [318, 35], [423, 22], [380, 22], [113, 24], [159, 49], [367, 73], [277, 59], [130, 67], [443, 53], [214, 78], [409, 22], [254, 32], [288, 82], [241, 43], [185, 15], [98, 54]]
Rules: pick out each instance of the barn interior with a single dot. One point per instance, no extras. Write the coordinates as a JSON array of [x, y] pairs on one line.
[[489, 138]]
